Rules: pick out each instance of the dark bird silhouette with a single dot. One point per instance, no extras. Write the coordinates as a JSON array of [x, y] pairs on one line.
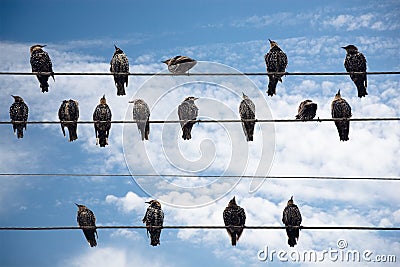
[[154, 217], [19, 113], [102, 122], [86, 218], [247, 111], [119, 64], [341, 110], [141, 113], [69, 111], [235, 218], [307, 110], [276, 61], [356, 62], [187, 111], [41, 62], [292, 217], [180, 64]]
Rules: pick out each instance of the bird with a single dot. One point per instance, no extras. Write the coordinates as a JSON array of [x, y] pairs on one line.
[[276, 61], [187, 111], [247, 111], [120, 64], [180, 64], [356, 62], [141, 113], [102, 122], [69, 111], [41, 62], [340, 109], [19, 115], [154, 217], [307, 110], [85, 218], [292, 217], [234, 218]]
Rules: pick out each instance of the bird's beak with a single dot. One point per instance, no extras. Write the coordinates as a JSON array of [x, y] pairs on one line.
[[76, 204], [343, 47], [115, 47], [132, 101], [165, 61], [43, 45], [338, 92], [270, 41], [104, 96], [291, 198], [196, 98], [148, 202]]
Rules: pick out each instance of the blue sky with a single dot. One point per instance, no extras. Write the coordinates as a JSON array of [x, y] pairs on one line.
[[226, 37]]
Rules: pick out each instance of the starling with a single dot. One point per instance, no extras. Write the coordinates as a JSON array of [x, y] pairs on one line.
[[102, 122], [187, 111], [307, 110], [356, 62], [141, 113], [180, 64], [341, 110], [86, 218], [276, 61], [154, 217], [292, 217], [40, 62], [119, 64], [235, 217], [247, 111], [69, 111], [19, 115]]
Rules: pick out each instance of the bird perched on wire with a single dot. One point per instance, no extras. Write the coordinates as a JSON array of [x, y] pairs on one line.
[[102, 122], [247, 111], [68, 115], [187, 111], [276, 61], [154, 217], [180, 64], [234, 219], [340, 109], [141, 113], [119, 64], [86, 218], [19, 115], [307, 110], [291, 218], [41, 62], [356, 62]]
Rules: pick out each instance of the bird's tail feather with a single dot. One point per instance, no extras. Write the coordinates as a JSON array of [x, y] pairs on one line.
[[43, 82], [120, 88], [155, 237], [90, 237], [249, 129], [273, 81], [293, 235], [361, 87], [20, 132], [343, 129], [187, 131], [72, 132]]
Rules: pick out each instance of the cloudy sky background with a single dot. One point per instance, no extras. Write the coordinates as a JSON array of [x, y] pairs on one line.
[[224, 37]]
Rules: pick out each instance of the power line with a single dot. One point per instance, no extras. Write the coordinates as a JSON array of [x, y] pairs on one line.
[[209, 121], [203, 176], [199, 74], [214, 227]]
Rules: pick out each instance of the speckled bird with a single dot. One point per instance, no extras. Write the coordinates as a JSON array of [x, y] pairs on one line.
[[141, 113], [85, 217], [340, 109], [292, 217], [247, 111], [234, 218], [187, 111], [120, 64], [356, 62], [41, 62], [69, 111], [180, 64], [276, 61], [102, 122], [307, 110], [19, 113], [154, 217]]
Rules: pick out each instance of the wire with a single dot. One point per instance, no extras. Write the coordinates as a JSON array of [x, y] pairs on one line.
[[362, 228], [207, 121], [200, 74], [202, 176]]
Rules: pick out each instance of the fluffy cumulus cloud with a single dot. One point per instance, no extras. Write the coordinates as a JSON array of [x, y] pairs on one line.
[[305, 149]]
